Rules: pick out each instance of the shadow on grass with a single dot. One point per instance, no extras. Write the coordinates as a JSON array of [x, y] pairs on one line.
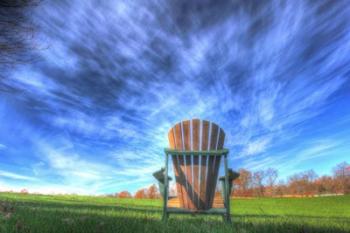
[[95, 207], [158, 210], [59, 217]]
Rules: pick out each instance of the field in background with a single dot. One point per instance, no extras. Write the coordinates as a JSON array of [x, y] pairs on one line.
[[68, 213]]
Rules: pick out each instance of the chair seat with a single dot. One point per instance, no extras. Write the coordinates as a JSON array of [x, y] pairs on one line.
[[174, 202]]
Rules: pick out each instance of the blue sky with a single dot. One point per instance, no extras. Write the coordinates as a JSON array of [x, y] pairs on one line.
[[91, 113]]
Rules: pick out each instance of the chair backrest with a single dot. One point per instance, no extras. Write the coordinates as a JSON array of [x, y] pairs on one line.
[[195, 175]]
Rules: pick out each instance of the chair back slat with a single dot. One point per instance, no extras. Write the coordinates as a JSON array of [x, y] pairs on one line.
[[203, 166], [186, 133], [188, 166], [171, 138], [182, 180], [176, 165], [211, 180], [219, 145], [195, 134], [180, 145], [221, 140], [214, 136], [178, 137], [205, 135], [195, 165], [196, 175]]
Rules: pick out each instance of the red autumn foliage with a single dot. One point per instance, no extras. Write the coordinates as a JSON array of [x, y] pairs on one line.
[[124, 194], [263, 183], [141, 194]]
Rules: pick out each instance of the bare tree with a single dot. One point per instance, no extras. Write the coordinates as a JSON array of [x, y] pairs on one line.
[[342, 177], [280, 189], [258, 182], [303, 183], [306, 183], [325, 185], [17, 31], [271, 177]]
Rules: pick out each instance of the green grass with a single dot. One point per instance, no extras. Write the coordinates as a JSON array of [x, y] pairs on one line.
[[75, 214]]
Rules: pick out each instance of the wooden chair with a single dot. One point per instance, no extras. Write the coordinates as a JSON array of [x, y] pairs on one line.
[[196, 150]]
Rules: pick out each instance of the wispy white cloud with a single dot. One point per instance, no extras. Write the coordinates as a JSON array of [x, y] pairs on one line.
[[16, 176], [86, 172], [114, 91], [257, 146], [71, 166], [32, 82], [295, 158]]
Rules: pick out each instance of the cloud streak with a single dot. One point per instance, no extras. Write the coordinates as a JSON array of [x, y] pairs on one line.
[[117, 75], [11, 175]]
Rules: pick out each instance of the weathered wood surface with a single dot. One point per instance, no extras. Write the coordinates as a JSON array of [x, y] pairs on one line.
[[218, 202], [196, 176]]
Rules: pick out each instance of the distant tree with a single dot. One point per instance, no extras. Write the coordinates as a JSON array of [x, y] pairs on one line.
[[302, 183], [271, 175], [124, 194], [112, 195], [24, 191], [325, 185], [307, 183], [243, 183], [153, 192], [342, 177], [258, 183], [311, 175], [141, 194], [280, 189]]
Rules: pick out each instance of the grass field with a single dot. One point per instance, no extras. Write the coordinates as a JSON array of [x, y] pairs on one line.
[[61, 214]]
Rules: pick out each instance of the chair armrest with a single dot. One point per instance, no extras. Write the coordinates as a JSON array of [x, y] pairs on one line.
[[160, 176], [232, 175]]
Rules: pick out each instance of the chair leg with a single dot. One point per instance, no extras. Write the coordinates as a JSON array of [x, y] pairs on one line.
[[165, 216], [165, 195], [227, 191], [226, 218], [227, 215]]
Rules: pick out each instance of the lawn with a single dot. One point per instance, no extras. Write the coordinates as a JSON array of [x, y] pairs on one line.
[[69, 213]]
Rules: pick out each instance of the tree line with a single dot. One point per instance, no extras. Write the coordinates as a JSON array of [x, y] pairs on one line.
[[265, 183], [307, 183], [151, 192]]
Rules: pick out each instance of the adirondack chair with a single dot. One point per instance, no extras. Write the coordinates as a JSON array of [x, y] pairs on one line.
[[196, 150]]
